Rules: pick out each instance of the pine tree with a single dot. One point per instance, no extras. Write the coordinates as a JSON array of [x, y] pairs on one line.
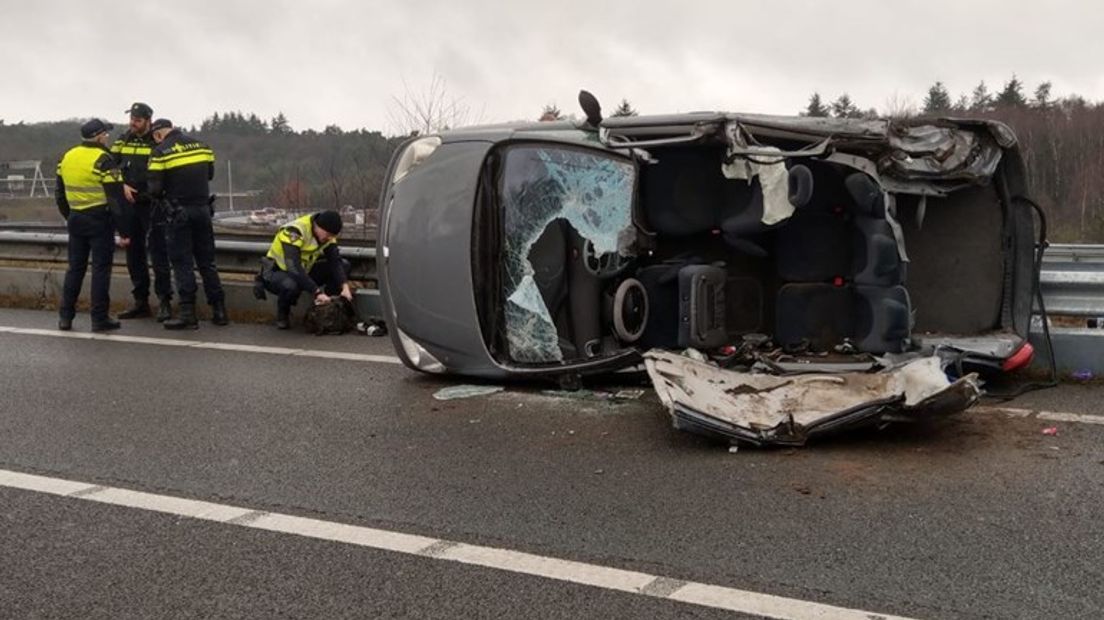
[[980, 99], [1042, 96], [1011, 96], [256, 125], [280, 125], [938, 99], [625, 109], [211, 123], [843, 107], [816, 107]]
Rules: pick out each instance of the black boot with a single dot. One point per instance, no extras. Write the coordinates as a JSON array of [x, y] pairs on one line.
[[283, 317], [139, 310], [65, 324], [186, 320], [105, 325], [218, 313], [259, 287], [164, 309]]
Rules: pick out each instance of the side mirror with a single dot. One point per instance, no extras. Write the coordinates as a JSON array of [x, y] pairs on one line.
[[591, 108]]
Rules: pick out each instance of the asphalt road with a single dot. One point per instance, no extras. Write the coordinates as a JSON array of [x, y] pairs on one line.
[[981, 516]]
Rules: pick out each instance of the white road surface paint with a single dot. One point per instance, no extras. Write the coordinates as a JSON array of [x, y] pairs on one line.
[[200, 344], [1051, 416], [595, 575]]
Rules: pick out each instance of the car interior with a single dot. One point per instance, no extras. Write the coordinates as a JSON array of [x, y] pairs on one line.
[[706, 271]]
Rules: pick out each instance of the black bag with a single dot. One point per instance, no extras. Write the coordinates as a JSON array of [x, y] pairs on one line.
[[336, 317]]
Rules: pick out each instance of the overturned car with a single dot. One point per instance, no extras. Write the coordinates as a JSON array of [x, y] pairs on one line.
[[777, 276]]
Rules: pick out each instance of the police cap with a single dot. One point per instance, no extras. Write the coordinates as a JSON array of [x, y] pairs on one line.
[[161, 123], [95, 127], [139, 109]]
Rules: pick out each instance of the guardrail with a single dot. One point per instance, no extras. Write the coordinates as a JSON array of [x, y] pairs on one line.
[[1072, 280], [231, 255]]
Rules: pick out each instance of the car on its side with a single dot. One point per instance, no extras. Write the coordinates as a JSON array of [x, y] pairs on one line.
[[895, 256]]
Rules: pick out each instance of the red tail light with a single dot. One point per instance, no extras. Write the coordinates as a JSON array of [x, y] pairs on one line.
[[1020, 359]]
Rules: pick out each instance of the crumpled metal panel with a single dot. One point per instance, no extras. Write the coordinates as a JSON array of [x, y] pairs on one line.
[[943, 153], [766, 409], [946, 151]]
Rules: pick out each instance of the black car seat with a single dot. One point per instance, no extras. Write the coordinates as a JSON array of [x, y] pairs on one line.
[[548, 257], [842, 272], [883, 309], [741, 217], [682, 192], [686, 305]]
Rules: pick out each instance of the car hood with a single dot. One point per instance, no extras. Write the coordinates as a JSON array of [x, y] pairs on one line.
[[427, 250]]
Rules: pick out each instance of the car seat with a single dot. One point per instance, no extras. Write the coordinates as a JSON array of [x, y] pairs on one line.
[[842, 271], [686, 305]]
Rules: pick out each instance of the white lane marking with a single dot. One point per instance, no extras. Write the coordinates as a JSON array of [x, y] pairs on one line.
[[1012, 412], [1057, 416], [201, 344], [1053, 416], [644, 584]]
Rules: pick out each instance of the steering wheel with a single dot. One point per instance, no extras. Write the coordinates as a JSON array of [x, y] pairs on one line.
[[630, 311], [603, 266]]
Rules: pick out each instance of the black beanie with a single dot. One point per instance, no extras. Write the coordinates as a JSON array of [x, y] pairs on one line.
[[329, 221]]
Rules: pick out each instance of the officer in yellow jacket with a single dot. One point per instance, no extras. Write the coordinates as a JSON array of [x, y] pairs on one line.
[[89, 195], [304, 257]]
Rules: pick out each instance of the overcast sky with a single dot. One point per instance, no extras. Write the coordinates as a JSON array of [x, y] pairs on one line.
[[330, 61]]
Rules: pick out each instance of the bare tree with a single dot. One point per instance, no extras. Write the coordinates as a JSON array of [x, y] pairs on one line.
[[900, 106], [429, 110]]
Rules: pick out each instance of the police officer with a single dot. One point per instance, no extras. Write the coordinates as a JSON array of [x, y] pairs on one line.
[[180, 169], [132, 150], [304, 257], [89, 196]]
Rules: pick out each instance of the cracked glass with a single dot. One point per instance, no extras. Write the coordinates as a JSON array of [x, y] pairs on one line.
[[591, 193]]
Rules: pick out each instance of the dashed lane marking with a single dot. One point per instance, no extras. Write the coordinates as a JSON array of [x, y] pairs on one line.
[[200, 344], [1051, 416], [595, 575]]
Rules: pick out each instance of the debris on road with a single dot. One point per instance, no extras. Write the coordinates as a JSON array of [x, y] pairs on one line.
[[466, 391], [1051, 431], [620, 395], [1082, 375], [374, 329], [788, 408]]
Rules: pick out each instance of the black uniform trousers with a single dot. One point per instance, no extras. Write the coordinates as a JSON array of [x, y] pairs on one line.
[[192, 246], [90, 234], [287, 289], [148, 243]]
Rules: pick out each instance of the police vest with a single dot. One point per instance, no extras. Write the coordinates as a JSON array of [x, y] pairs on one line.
[[299, 233], [85, 169], [133, 153], [135, 146]]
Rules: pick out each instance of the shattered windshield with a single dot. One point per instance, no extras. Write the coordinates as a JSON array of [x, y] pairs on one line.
[[541, 186]]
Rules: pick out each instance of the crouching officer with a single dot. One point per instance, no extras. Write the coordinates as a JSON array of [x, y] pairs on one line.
[[132, 150], [180, 171], [89, 196], [304, 257]]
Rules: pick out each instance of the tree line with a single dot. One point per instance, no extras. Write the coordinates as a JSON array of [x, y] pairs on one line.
[[295, 170], [1061, 137]]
